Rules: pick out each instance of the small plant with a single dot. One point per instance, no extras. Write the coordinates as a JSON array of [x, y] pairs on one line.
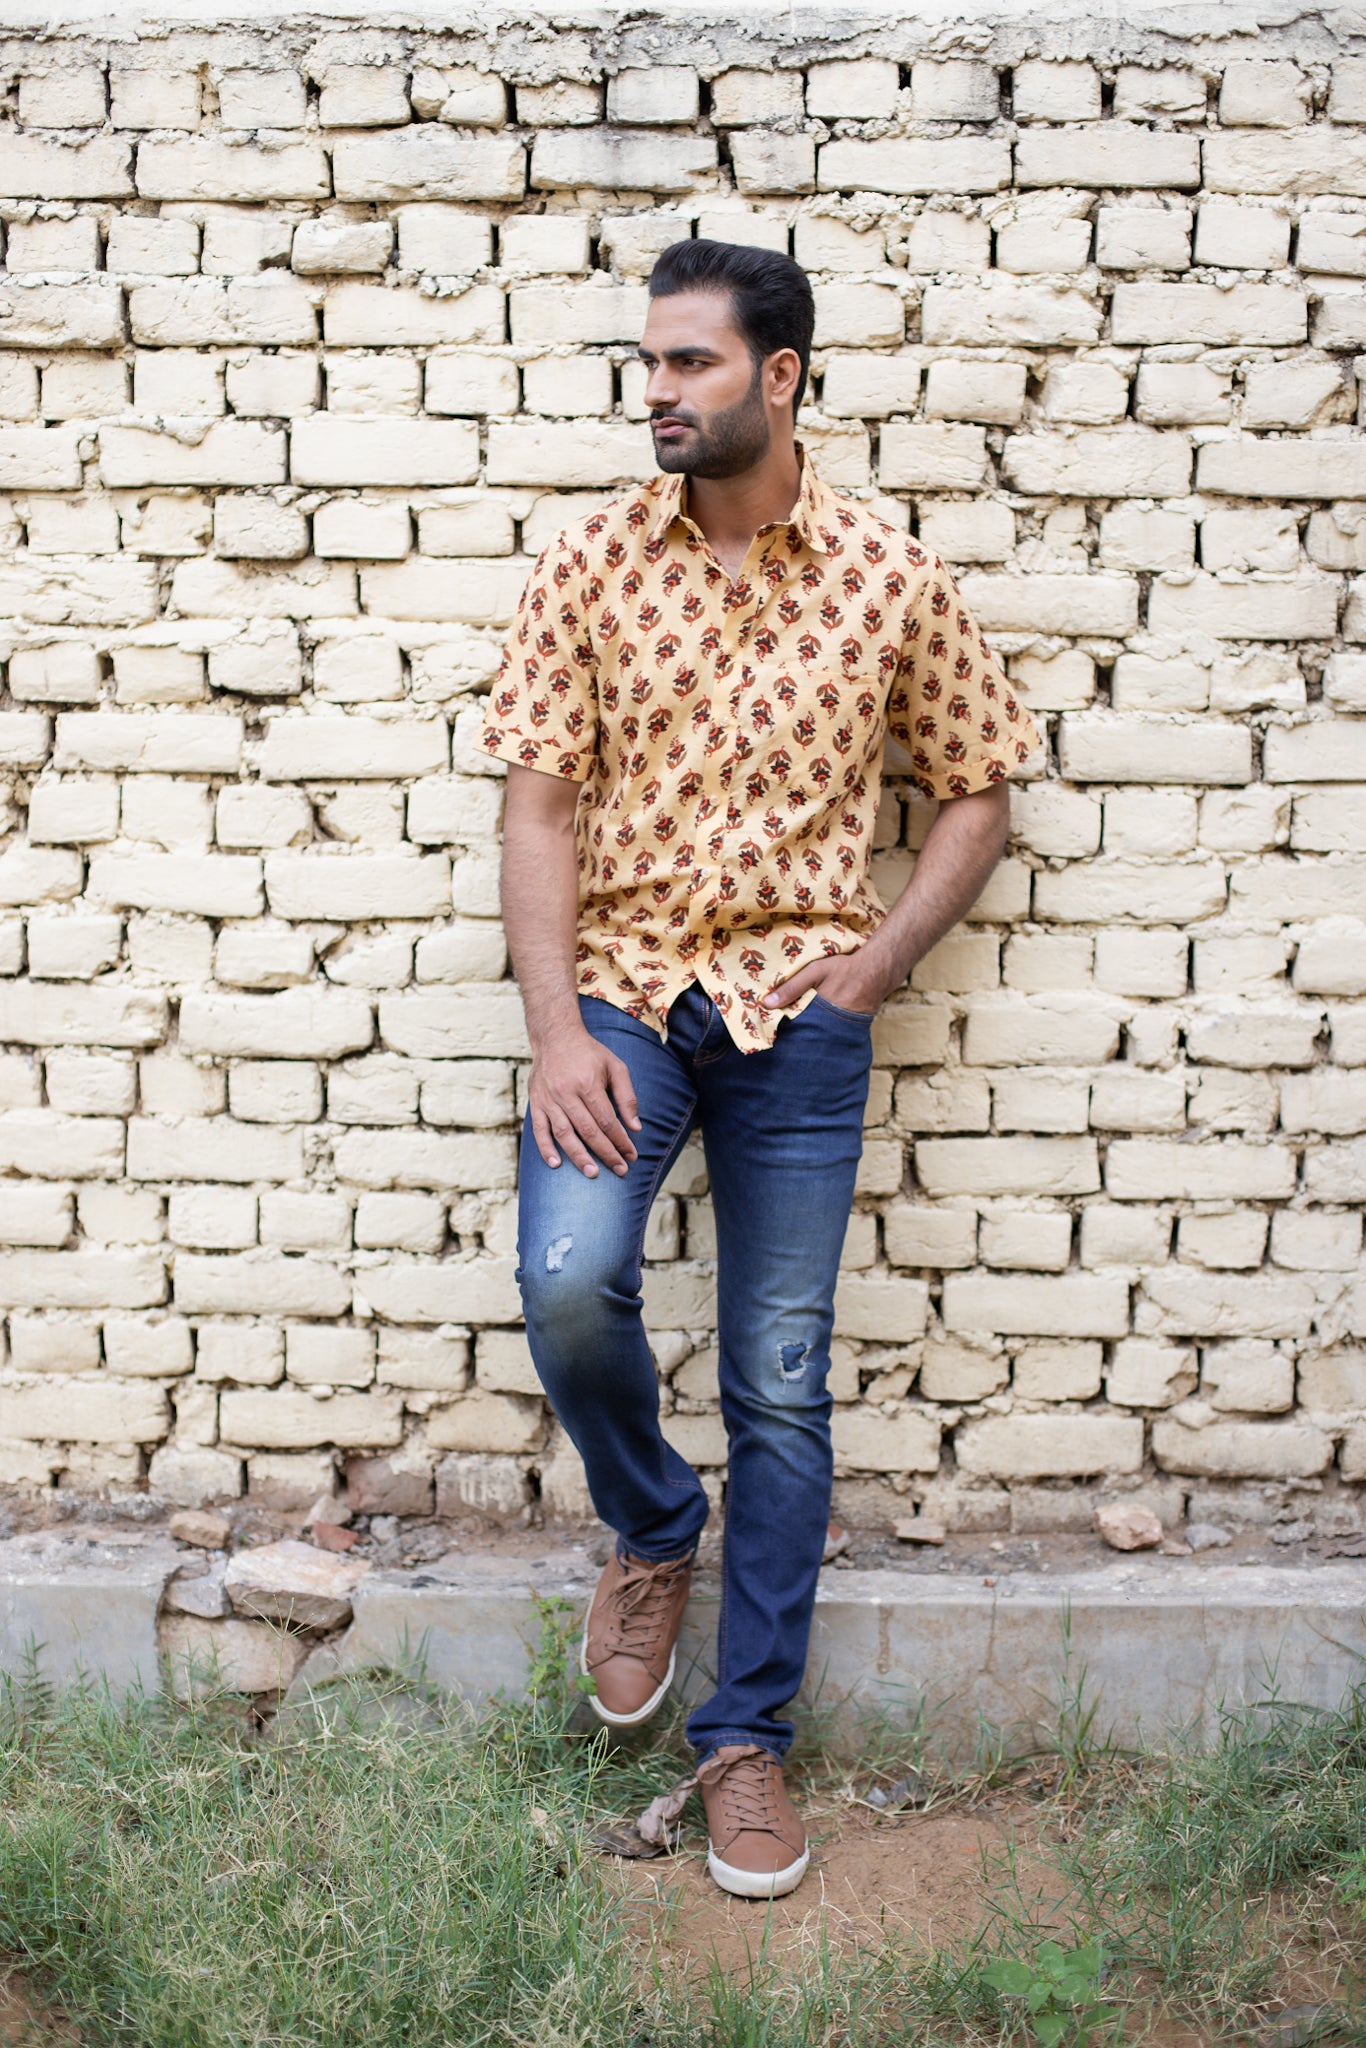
[[554, 1685], [1077, 1738], [1059, 1990]]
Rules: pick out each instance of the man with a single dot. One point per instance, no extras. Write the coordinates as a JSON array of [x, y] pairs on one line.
[[693, 708]]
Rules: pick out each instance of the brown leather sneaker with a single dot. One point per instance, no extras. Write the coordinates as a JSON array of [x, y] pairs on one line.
[[757, 1844], [628, 1640]]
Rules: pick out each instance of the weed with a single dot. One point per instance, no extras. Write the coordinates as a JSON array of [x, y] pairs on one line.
[[1058, 1989], [554, 1684], [1077, 1738]]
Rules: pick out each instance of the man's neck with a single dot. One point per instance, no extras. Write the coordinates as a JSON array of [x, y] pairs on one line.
[[730, 510]]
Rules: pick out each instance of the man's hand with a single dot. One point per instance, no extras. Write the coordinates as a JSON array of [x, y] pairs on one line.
[[582, 1102], [961, 848], [852, 981]]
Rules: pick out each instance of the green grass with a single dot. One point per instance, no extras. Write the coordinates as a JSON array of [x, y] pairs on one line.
[[1202, 1867], [381, 1869]]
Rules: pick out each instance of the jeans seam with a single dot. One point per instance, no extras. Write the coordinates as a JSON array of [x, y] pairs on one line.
[[723, 1603], [737, 1735], [674, 1557], [666, 1160]]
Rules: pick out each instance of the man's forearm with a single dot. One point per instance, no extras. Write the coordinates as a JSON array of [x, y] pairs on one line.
[[952, 868], [540, 894], [581, 1100]]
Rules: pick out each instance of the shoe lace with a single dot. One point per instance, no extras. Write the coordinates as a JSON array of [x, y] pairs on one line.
[[638, 1612], [749, 1793]]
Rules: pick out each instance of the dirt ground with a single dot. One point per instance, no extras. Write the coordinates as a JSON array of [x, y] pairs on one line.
[[922, 1878], [929, 1881], [24, 2024]]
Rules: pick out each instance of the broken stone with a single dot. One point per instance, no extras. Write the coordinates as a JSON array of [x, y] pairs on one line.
[[205, 1656], [836, 1542], [1207, 1536], [205, 1531], [196, 1591], [397, 1485], [293, 1582], [331, 1536], [1292, 1532], [918, 1529], [1124, 1525], [329, 1507], [1171, 1546]]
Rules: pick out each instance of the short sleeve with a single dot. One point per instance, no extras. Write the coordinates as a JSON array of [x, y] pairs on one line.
[[951, 705], [542, 711]]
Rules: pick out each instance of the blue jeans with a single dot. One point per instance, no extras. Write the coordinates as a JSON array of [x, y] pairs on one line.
[[783, 1131]]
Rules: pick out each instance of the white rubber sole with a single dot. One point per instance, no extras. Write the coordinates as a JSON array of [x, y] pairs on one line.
[[757, 1884], [651, 1706]]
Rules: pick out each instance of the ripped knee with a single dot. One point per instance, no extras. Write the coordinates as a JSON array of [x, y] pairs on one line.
[[561, 1277], [792, 1360], [784, 1371]]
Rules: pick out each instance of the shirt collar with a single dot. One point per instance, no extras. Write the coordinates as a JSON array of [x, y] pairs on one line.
[[813, 514]]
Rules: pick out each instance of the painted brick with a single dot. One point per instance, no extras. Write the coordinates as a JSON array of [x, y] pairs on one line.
[[1073, 1304], [1111, 157], [427, 163], [612, 158], [320, 904]]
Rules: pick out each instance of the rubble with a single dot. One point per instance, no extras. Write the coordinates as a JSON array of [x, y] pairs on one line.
[[293, 1583], [1127, 1525], [197, 1526]]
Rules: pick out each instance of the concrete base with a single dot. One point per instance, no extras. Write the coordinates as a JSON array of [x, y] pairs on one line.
[[1156, 1646], [1153, 1647], [75, 1608]]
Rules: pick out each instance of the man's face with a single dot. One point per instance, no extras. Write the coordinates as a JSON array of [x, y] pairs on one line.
[[706, 395]]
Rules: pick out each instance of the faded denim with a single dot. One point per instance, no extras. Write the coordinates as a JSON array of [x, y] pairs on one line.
[[782, 1129]]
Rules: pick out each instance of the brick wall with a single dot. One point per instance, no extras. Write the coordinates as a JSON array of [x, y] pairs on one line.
[[307, 341]]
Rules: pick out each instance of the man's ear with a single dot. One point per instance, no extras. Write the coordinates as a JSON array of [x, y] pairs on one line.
[[783, 369]]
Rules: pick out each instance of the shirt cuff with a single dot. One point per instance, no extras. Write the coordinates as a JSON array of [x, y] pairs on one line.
[[500, 743], [980, 768]]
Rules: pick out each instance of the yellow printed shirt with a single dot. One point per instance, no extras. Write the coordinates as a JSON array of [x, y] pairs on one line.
[[729, 736]]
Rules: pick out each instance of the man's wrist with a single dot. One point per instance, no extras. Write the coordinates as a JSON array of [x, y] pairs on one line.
[[886, 962], [552, 1020]]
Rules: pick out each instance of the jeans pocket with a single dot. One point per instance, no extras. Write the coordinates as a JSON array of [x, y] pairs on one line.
[[838, 1009]]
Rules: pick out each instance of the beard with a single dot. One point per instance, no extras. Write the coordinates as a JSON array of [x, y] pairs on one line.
[[727, 444]]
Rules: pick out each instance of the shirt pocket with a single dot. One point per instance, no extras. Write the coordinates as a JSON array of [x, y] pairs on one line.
[[805, 733]]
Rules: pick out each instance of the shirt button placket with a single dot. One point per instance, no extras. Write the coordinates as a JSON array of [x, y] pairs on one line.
[[731, 629]]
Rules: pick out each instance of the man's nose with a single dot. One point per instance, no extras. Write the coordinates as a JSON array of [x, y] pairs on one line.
[[661, 388]]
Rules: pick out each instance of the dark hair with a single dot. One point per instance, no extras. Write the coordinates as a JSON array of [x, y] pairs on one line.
[[770, 294]]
